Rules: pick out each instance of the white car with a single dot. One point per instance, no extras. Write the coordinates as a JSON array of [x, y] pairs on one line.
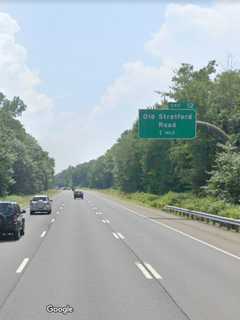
[[40, 204]]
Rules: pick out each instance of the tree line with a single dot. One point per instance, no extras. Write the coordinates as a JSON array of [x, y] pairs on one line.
[[25, 168], [203, 165]]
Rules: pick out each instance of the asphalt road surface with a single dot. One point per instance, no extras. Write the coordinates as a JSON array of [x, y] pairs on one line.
[[102, 259]]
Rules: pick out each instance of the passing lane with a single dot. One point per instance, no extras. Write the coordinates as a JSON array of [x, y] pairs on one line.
[[13, 253]]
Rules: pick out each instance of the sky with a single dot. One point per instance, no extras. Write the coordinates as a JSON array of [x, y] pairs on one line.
[[84, 69]]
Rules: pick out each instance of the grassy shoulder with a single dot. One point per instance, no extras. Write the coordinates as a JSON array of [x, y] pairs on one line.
[[23, 200], [185, 200]]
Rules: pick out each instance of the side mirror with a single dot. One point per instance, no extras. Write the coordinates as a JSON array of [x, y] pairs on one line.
[[23, 211], [51, 200]]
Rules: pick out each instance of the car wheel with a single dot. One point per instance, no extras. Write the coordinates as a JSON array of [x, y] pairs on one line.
[[50, 211], [16, 235], [23, 231]]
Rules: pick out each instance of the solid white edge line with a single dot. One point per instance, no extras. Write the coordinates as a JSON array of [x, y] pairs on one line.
[[22, 265], [120, 235], [141, 267], [53, 219], [43, 234], [177, 231], [198, 240], [107, 221], [115, 235], [152, 270], [103, 221]]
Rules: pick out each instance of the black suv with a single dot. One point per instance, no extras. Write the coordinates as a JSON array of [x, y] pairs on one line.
[[11, 219], [77, 194]]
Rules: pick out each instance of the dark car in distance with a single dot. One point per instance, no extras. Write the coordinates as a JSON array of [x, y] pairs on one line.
[[12, 219], [77, 194]]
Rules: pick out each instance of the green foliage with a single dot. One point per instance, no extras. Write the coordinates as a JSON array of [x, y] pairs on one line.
[[23, 200], [24, 167], [157, 167], [225, 179], [186, 200]]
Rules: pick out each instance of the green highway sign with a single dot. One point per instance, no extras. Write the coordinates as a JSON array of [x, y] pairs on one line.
[[181, 105], [167, 124]]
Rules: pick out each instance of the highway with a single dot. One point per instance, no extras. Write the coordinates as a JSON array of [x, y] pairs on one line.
[[109, 260]]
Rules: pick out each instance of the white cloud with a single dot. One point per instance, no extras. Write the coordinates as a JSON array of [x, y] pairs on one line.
[[196, 34], [135, 86], [16, 78], [190, 33]]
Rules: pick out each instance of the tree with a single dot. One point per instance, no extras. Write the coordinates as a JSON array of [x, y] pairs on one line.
[[225, 179], [24, 166], [159, 166]]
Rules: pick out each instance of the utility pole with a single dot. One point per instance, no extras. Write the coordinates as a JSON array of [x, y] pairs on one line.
[[211, 127]]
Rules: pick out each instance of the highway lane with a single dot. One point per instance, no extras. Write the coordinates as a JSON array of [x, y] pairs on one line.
[[81, 263], [204, 280], [12, 253], [109, 263], [229, 241]]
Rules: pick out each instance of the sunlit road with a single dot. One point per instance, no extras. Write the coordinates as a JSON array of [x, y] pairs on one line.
[[107, 260]]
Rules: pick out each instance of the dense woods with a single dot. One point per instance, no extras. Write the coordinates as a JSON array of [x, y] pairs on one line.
[[202, 165], [24, 167]]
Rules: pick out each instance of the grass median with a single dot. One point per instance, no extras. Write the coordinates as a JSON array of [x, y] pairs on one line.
[[23, 200]]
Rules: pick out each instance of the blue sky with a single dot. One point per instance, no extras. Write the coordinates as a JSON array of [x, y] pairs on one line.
[[79, 48], [84, 70]]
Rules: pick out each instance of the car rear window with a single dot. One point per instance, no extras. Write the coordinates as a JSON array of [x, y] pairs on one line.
[[6, 208], [40, 198]]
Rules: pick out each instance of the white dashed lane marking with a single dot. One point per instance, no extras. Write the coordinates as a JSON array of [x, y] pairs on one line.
[[43, 234], [120, 236], [148, 271], [22, 265], [152, 270], [143, 269], [115, 235]]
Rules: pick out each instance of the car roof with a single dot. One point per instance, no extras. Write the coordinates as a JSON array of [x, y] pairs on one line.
[[9, 202], [40, 195]]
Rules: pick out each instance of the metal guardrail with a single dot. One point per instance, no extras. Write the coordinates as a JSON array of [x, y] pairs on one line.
[[229, 223]]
